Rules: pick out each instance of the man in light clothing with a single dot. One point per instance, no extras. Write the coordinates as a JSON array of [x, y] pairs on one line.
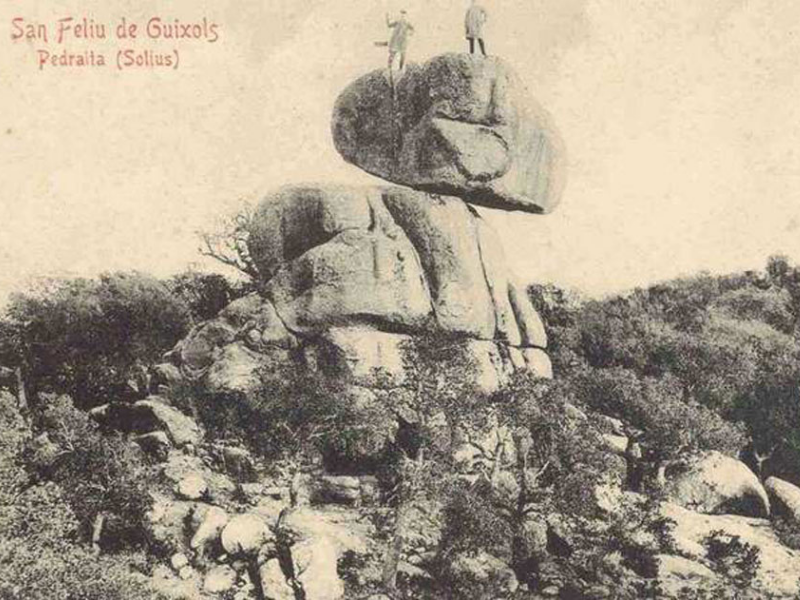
[[476, 18], [398, 43]]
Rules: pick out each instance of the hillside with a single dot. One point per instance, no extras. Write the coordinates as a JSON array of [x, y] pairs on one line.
[[382, 411]]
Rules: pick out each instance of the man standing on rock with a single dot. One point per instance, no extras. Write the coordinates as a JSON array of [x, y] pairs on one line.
[[398, 44], [476, 18]]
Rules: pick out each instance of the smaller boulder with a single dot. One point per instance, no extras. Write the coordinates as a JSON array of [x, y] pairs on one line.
[[235, 369], [210, 521], [219, 579], [165, 521], [273, 581], [785, 497], [238, 462], [245, 534], [331, 489], [192, 487], [156, 414], [718, 484], [315, 561], [178, 561], [618, 444]]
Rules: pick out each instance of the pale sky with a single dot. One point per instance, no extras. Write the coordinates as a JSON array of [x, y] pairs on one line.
[[680, 117]]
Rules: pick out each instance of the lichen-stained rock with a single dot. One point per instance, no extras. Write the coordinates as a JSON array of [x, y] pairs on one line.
[[715, 483], [391, 258], [785, 498], [235, 369], [257, 322], [456, 125], [197, 349]]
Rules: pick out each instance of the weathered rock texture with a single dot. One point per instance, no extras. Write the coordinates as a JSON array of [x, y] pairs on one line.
[[456, 125], [351, 275], [715, 483]]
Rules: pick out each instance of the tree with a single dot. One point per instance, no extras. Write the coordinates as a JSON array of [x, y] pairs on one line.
[[205, 294], [88, 337], [551, 488], [227, 244]]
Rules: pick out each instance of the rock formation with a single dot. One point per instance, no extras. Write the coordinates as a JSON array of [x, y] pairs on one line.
[[350, 279], [455, 126], [350, 274], [715, 483]]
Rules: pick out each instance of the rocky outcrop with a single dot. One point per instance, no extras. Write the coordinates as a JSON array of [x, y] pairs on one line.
[[779, 565], [715, 483], [456, 126], [351, 276], [148, 416]]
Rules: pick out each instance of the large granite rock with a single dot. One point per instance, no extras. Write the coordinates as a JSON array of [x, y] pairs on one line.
[[715, 483], [456, 125], [350, 276], [334, 256]]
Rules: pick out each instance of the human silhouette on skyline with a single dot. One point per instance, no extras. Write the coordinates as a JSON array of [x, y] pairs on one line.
[[473, 23], [398, 43]]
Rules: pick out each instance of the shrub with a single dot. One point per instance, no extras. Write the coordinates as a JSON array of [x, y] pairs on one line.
[[42, 556], [86, 338], [298, 415], [732, 557], [100, 476], [205, 294]]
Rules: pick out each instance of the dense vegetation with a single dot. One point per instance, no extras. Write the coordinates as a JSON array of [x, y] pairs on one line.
[[702, 363], [713, 347]]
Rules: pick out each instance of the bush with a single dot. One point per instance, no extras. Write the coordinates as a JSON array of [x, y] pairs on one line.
[[737, 560], [42, 556], [298, 415], [99, 475], [87, 338], [205, 294]]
